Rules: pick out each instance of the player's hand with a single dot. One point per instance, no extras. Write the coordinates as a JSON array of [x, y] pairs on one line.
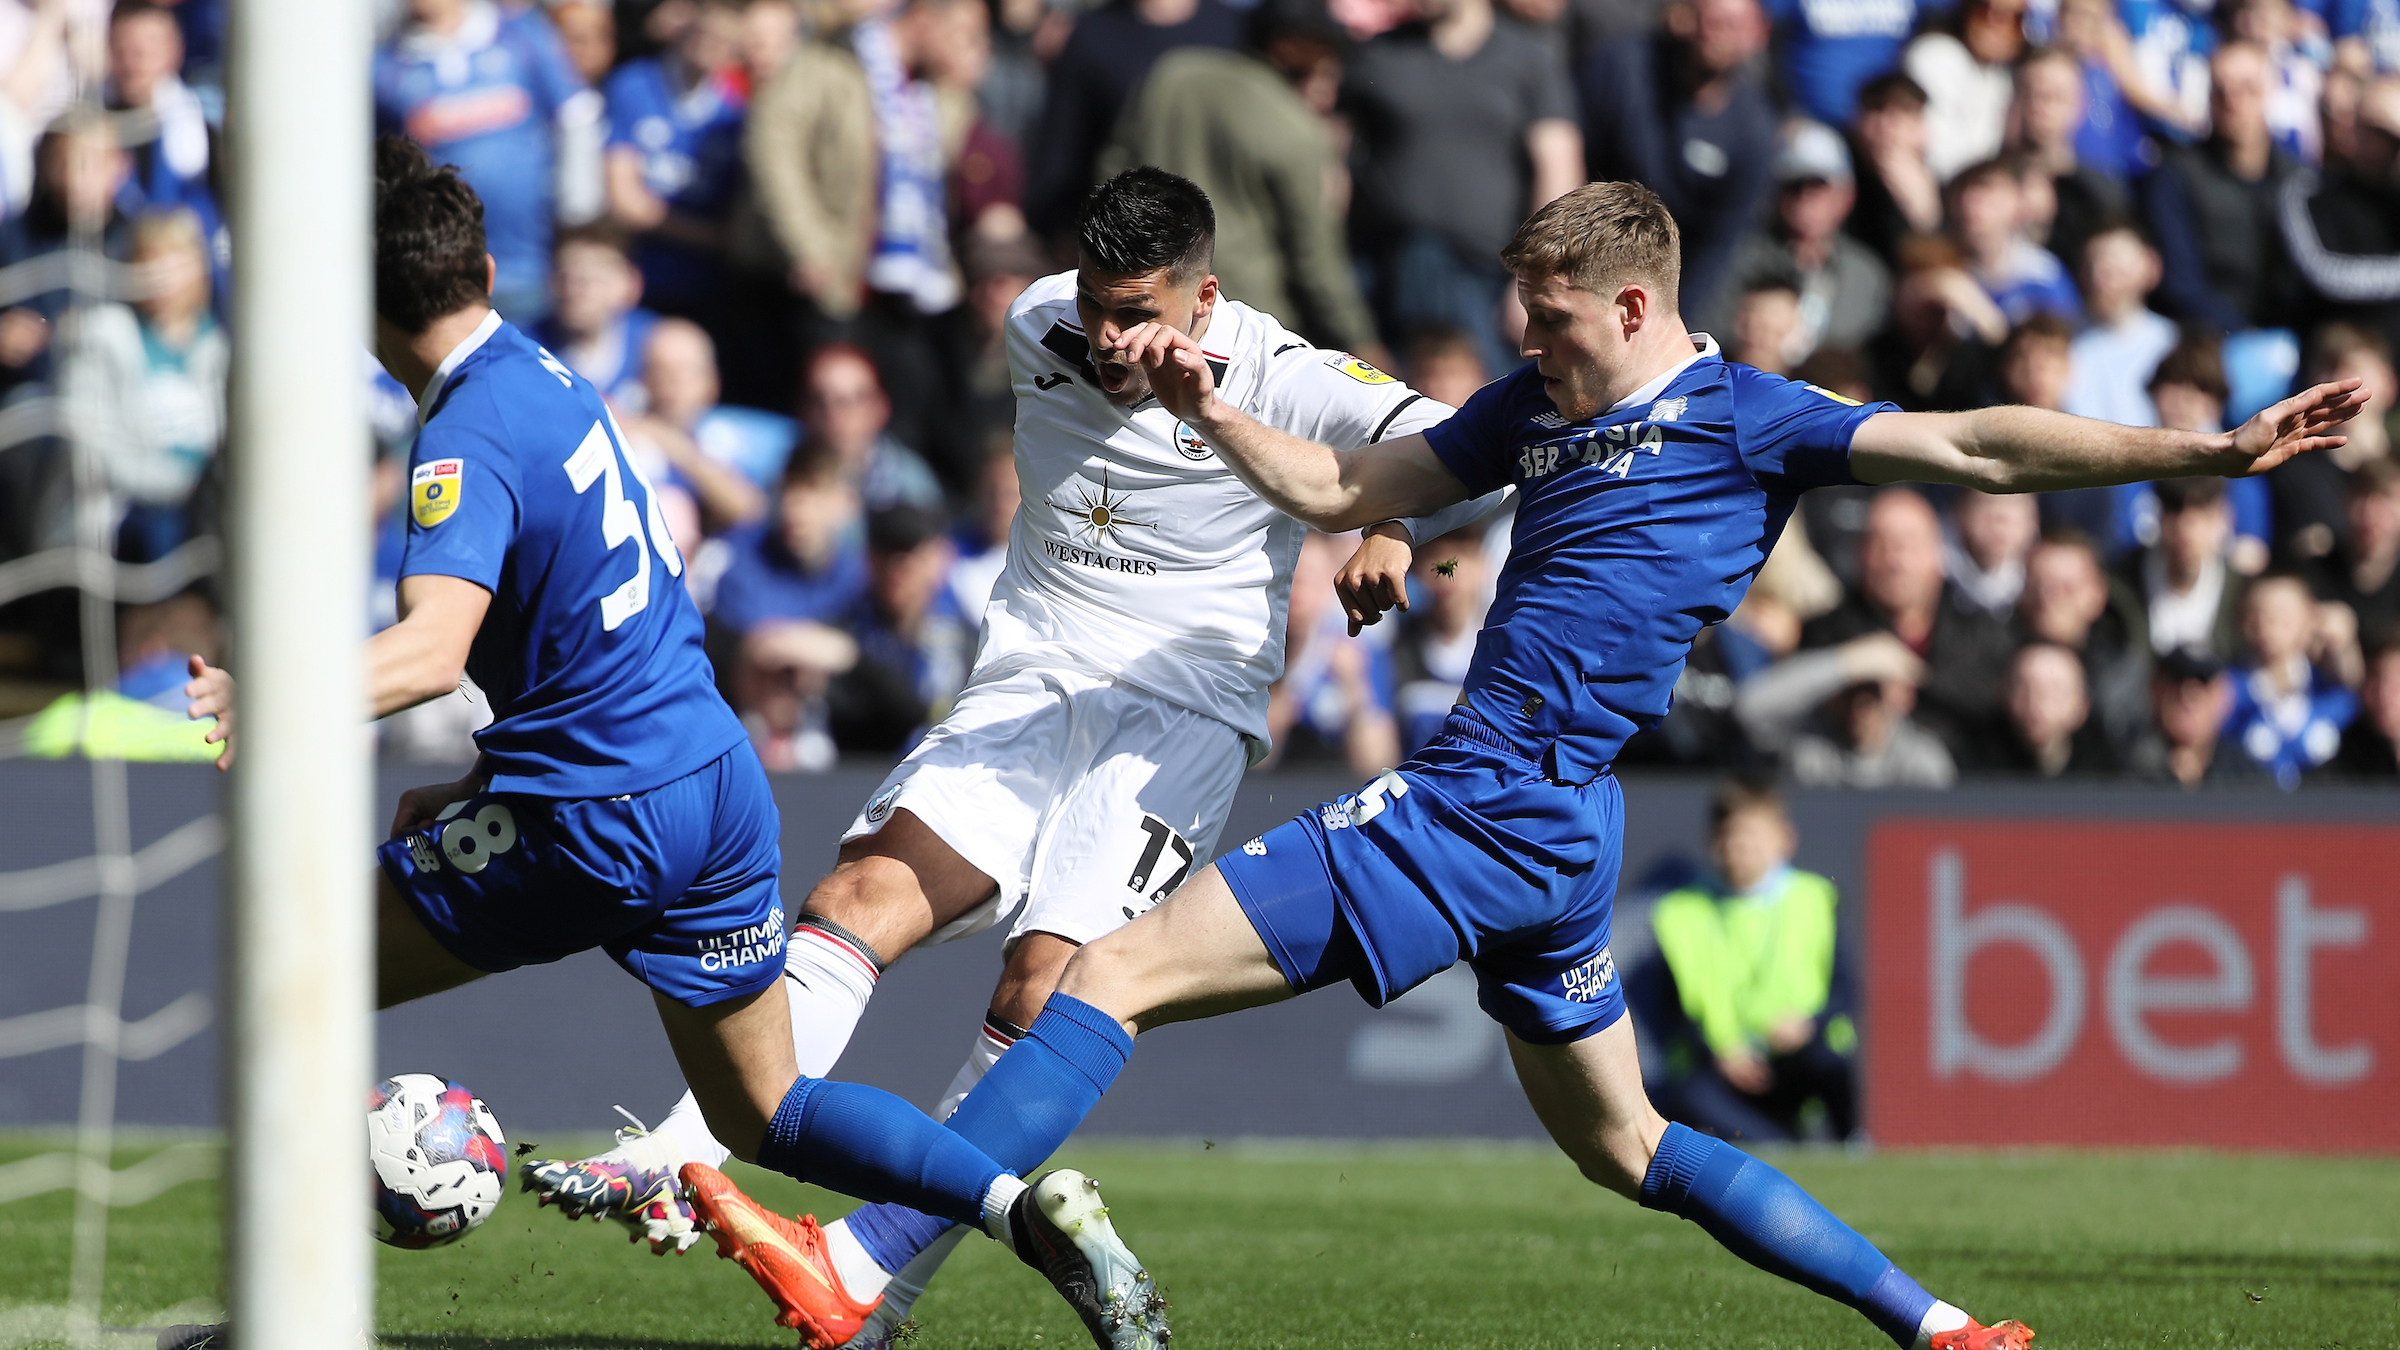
[[1376, 577], [422, 806], [1791, 1034], [1178, 371], [2299, 424], [211, 693], [1746, 1071]]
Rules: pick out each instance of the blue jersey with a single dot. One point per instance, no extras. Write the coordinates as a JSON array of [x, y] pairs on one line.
[[590, 653], [1832, 47], [691, 150], [486, 98], [1634, 529]]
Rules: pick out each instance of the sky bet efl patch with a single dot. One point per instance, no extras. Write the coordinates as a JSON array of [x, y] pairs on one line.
[[433, 491], [1359, 370]]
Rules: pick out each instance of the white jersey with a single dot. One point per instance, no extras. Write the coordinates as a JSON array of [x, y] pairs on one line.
[[1136, 553]]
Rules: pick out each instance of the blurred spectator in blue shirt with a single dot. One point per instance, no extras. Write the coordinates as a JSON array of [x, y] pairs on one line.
[[173, 165], [2297, 52], [596, 322], [1429, 661], [782, 585], [806, 561], [843, 405], [2188, 390], [914, 646], [1683, 111], [1987, 217], [716, 460], [674, 160], [1334, 700], [2367, 35], [981, 535], [484, 88], [2292, 696], [1829, 48]]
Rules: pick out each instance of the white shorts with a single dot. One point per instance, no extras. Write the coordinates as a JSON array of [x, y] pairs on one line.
[[1088, 801]]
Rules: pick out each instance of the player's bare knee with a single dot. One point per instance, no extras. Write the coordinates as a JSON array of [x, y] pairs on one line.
[[1109, 975], [876, 897]]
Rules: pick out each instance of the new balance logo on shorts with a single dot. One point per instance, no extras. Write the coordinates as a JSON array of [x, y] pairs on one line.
[[743, 946], [1588, 982]]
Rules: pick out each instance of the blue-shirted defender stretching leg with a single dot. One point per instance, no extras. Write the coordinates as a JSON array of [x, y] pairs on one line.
[[1653, 479], [615, 802]]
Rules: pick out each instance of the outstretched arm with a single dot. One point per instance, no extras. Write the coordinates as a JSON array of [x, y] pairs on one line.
[[1332, 490], [2018, 449]]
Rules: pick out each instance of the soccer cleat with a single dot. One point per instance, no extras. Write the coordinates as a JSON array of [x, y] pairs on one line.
[[1061, 1228], [786, 1256], [1976, 1336], [633, 1183]]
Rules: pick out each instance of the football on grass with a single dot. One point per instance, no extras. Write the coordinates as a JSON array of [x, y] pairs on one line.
[[440, 1162]]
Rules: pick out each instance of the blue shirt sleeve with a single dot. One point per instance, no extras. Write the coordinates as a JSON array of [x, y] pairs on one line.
[[549, 76], [462, 505], [1474, 443], [1795, 436], [626, 103]]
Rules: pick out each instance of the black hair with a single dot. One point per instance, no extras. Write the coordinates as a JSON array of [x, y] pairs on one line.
[[429, 251], [1145, 219], [1307, 20], [1749, 791]]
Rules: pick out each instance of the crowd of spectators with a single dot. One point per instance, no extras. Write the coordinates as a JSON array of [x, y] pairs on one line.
[[782, 237]]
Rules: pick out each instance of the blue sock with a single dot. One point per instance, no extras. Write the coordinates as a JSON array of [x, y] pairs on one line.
[[1020, 1113], [863, 1141], [1765, 1219]]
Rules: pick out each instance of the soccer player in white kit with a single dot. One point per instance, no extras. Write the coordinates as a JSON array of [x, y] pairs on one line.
[[1119, 694]]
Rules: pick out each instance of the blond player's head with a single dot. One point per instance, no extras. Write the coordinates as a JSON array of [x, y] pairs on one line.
[[1598, 271]]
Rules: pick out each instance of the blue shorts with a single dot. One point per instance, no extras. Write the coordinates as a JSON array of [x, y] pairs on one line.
[[677, 883], [1465, 853]]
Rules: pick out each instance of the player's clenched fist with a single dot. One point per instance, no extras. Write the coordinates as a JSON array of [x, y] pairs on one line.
[[1376, 577], [211, 692]]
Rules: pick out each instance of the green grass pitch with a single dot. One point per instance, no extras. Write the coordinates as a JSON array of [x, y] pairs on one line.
[[1320, 1246]]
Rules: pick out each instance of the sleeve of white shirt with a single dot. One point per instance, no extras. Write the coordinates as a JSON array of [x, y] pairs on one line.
[[1336, 399]]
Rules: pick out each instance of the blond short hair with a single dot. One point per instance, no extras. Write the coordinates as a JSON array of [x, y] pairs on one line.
[[1602, 236]]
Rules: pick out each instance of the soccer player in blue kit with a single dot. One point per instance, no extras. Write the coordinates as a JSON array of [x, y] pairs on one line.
[[1654, 477], [616, 802]]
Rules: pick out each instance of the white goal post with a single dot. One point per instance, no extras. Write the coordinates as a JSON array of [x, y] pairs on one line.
[[300, 928]]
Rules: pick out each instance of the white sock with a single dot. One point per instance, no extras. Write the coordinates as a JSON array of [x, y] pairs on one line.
[[989, 1045], [828, 982], [690, 1131], [861, 1278], [996, 1201], [1939, 1318], [908, 1285]]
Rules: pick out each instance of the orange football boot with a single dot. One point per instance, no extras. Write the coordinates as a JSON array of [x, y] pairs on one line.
[[786, 1256], [1976, 1336]]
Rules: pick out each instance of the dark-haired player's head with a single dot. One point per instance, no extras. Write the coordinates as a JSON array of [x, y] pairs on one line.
[[1598, 271], [430, 261], [1144, 244], [1750, 833]]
